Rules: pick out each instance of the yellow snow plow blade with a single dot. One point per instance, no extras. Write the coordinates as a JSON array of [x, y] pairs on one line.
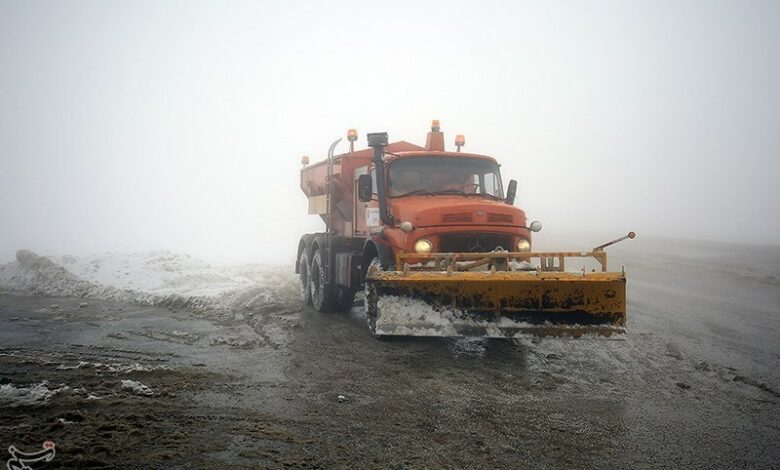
[[500, 304], [437, 295]]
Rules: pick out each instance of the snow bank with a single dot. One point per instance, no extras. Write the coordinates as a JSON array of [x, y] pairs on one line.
[[153, 278], [35, 274], [158, 272]]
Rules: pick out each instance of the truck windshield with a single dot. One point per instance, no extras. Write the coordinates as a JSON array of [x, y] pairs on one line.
[[444, 175]]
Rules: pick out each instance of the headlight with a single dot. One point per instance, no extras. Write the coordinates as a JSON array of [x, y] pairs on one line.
[[423, 246], [523, 245]]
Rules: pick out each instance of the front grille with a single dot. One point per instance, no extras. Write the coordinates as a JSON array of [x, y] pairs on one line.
[[474, 242], [454, 218], [499, 218]]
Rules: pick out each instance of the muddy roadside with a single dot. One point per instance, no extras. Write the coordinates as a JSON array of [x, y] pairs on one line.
[[260, 389]]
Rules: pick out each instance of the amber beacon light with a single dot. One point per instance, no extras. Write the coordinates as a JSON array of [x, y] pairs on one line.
[[460, 141]]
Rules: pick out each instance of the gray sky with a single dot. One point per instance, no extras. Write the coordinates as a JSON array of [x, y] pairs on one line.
[[180, 125]]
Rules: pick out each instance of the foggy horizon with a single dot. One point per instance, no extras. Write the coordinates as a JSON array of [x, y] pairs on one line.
[[180, 126]]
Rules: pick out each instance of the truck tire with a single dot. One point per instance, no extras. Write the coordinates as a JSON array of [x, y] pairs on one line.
[[345, 298], [304, 266], [321, 297], [371, 297]]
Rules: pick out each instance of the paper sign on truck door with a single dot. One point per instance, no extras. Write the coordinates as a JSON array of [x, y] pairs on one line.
[[372, 217]]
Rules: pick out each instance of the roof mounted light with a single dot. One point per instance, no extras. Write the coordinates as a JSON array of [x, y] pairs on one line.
[[305, 160], [435, 125], [352, 137], [460, 141]]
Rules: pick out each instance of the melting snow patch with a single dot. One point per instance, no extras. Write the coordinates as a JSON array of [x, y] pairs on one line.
[[120, 368], [134, 367], [136, 387], [76, 366], [468, 347], [37, 394]]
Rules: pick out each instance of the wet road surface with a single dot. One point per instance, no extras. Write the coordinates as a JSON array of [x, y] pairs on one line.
[[695, 383]]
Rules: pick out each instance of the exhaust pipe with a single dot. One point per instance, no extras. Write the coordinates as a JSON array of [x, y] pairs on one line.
[[378, 141]]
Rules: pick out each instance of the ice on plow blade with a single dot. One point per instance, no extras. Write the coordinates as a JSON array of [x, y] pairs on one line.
[[496, 304]]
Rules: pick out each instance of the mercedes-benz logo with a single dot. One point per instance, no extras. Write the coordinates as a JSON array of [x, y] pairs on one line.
[[476, 245]]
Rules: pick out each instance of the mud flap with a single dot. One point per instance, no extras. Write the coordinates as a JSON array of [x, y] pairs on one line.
[[496, 304]]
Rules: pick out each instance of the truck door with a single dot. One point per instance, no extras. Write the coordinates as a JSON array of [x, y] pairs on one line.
[[366, 213]]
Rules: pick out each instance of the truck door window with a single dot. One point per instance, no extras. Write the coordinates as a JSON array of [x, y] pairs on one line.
[[490, 185]]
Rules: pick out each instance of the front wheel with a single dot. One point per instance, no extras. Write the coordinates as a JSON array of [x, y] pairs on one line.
[[370, 304], [344, 300]]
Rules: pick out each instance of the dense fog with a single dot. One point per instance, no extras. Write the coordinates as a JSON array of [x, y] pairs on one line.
[[131, 126]]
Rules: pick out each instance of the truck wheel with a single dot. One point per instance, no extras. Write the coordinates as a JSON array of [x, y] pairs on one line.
[[344, 299], [371, 314], [370, 310], [303, 268], [370, 293], [321, 296]]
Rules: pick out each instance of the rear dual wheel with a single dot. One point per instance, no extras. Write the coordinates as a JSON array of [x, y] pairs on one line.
[[325, 298], [304, 266], [320, 297]]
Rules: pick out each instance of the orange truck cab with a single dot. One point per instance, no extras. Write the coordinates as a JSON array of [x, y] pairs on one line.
[[400, 198]]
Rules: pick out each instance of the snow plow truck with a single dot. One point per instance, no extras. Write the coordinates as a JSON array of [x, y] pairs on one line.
[[437, 245]]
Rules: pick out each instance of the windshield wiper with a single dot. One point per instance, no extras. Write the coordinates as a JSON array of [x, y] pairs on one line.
[[450, 191], [416, 191], [464, 193]]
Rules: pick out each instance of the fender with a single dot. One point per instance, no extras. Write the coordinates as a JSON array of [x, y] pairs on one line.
[[383, 250]]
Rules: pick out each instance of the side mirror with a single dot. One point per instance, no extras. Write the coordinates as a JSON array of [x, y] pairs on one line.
[[365, 188], [511, 190], [535, 226]]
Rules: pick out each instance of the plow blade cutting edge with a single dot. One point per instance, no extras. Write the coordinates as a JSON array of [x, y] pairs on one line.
[[501, 304]]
